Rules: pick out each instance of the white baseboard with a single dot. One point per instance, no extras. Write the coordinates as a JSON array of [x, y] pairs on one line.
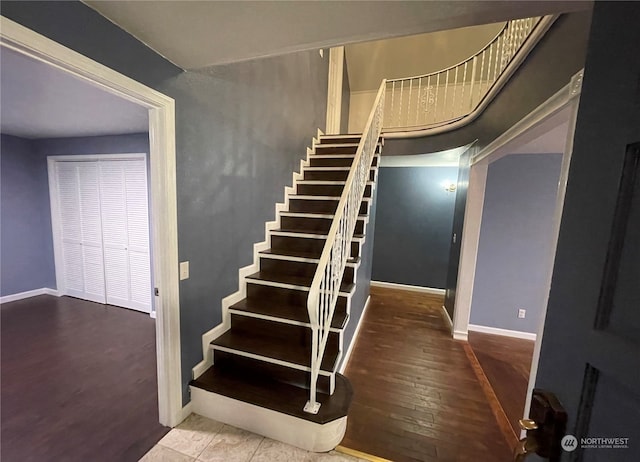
[[207, 338], [345, 359], [503, 332], [460, 335], [28, 294], [447, 318], [393, 285]]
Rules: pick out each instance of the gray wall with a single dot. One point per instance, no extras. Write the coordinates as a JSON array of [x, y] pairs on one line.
[[26, 196], [415, 215], [26, 256], [515, 241], [550, 65], [241, 130]]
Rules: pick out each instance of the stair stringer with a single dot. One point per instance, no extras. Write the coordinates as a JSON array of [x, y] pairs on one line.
[[241, 293]]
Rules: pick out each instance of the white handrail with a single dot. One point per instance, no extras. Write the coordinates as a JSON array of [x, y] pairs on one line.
[[449, 95], [325, 288]]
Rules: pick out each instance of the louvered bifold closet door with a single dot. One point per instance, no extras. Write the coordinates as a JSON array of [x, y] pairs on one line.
[[81, 230], [125, 233]]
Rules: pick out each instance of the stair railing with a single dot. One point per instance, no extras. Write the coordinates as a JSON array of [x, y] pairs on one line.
[[325, 288], [446, 96]]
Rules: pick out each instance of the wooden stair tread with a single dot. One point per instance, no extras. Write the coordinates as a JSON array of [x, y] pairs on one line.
[[300, 254], [361, 216], [278, 348], [301, 281], [303, 231], [289, 312], [312, 197], [274, 395]]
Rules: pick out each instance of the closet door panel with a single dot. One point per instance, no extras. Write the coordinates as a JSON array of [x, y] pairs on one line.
[[137, 207], [69, 201], [138, 233], [117, 275], [114, 231], [114, 212], [73, 268], [93, 273], [69, 225], [91, 228], [126, 233], [140, 280]]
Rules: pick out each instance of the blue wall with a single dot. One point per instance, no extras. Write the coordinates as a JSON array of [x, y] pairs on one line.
[[515, 241], [114, 144], [27, 244], [415, 215], [26, 256]]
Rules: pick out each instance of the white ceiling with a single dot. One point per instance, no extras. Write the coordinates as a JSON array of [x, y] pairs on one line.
[[195, 34], [40, 101], [370, 62]]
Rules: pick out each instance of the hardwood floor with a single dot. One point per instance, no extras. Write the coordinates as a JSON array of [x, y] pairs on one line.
[[506, 362], [78, 381], [416, 396]]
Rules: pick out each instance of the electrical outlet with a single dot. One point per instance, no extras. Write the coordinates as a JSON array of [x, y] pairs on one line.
[[184, 270], [522, 313]]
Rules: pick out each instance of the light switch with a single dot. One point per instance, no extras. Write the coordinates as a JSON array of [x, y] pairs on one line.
[[184, 270]]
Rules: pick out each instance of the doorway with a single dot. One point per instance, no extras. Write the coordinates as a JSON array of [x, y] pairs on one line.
[[161, 113], [557, 117]]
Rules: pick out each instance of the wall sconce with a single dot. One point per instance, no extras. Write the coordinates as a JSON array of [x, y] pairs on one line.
[[449, 186]]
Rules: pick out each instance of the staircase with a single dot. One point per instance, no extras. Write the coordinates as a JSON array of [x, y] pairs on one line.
[[261, 355]]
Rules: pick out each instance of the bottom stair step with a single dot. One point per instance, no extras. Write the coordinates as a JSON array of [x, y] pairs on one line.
[[278, 350], [274, 395]]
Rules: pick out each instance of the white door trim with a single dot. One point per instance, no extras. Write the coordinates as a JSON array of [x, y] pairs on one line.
[[334, 91], [164, 226], [562, 105]]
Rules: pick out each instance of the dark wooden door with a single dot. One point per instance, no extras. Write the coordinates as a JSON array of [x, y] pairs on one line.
[[590, 355]]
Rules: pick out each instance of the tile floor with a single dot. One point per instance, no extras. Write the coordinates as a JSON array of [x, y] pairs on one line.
[[204, 440]]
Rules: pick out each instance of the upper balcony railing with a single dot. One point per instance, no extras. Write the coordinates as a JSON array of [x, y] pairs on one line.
[[449, 98]]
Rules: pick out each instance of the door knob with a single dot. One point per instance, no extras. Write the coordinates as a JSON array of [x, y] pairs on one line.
[[526, 446], [528, 424], [544, 430]]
